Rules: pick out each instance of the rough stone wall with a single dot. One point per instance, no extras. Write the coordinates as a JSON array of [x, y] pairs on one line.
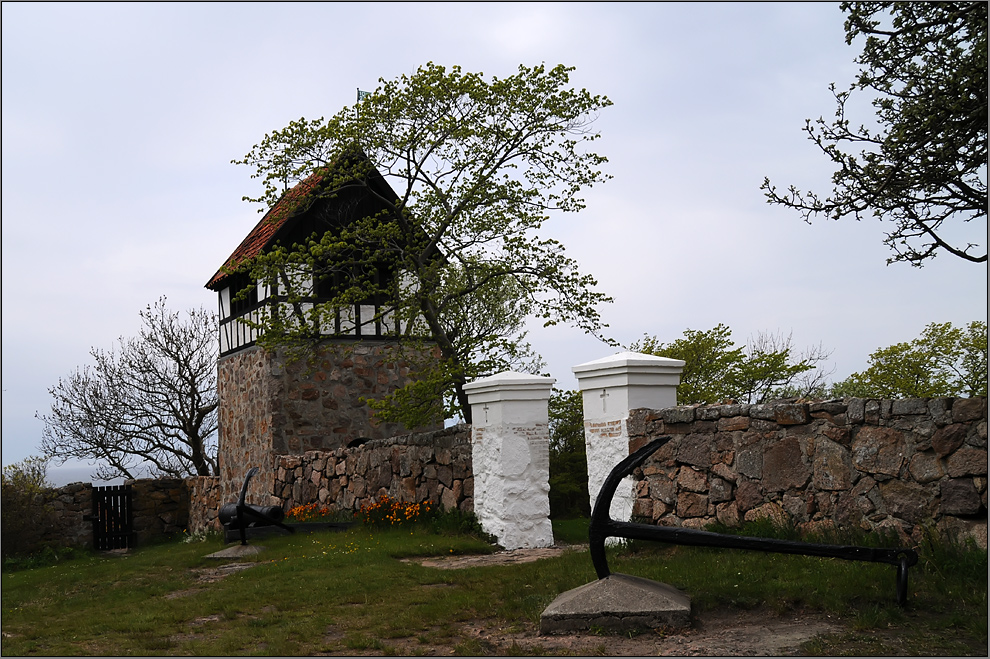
[[245, 386], [70, 503], [204, 503], [159, 507], [433, 465], [271, 405], [871, 464]]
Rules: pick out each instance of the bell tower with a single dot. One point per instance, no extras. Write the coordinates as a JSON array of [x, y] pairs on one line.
[[271, 404]]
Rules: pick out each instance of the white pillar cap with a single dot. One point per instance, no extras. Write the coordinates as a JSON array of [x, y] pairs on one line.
[[628, 368], [509, 385]]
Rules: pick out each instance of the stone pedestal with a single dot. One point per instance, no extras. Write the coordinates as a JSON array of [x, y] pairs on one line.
[[610, 387], [510, 448], [237, 551], [617, 603]]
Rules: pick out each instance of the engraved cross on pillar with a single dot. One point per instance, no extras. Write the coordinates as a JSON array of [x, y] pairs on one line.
[[622, 382]]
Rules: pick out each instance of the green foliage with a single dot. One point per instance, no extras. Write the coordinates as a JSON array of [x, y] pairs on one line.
[[940, 554], [386, 512], [27, 500], [30, 475], [571, 531], [943, 361], [716, 370], [711, 361], [972, 367], [42, 556], [568, 459], [453, 522], [924, 167], [429, 398], [476, 167]]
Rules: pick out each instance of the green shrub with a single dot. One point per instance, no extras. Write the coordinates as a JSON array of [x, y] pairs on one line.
[[456, 522], [26, 499], [568, 459], [44, 556]]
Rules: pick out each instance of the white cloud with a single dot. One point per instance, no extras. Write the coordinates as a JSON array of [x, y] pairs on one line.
[[120, 121]]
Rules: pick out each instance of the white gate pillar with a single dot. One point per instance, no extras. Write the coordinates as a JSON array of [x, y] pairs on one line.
[[510, 448], [610, 388]]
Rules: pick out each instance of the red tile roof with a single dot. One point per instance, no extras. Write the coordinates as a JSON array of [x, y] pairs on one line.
[[263, 233]]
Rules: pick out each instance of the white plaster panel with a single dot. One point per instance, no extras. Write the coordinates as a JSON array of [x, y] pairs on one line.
[[509, 398], [225, 303], [610, 388], [510, 450], [388, 318], [367, 312], [515, 455], [606, 444], [299, 277], [347, 323], [628, 364]]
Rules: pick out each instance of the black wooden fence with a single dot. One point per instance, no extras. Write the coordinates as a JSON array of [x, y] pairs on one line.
[[112, 517]]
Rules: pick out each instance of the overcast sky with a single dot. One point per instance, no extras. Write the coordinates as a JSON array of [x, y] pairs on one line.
[[120, 121]]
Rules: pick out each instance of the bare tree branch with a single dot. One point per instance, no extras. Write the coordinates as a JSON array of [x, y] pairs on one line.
[[151, 403]]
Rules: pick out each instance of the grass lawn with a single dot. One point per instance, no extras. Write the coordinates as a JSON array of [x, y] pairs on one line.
[[348, 593]]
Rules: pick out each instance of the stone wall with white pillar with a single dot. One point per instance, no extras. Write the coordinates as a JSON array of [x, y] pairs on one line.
[[610, 388], [510, 448]]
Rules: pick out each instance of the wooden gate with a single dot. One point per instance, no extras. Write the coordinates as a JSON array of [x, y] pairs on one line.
[[112, 517]]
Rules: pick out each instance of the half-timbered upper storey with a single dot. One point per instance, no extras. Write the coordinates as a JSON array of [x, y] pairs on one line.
[[304, 212]]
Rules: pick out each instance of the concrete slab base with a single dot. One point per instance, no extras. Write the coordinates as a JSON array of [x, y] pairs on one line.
[[237, 551], [618, 603]]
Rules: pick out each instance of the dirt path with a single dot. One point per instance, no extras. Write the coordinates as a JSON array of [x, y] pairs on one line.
[[751, 633], [498, 558], [720, 633], [717, 634]]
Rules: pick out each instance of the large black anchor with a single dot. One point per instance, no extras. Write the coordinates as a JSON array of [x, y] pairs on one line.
[[241, 515], [602, 527]]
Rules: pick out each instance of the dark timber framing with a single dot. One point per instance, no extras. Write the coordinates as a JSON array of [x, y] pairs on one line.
[[293, 220]]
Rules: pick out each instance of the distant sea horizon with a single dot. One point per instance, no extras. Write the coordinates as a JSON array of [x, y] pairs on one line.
[[79, 473]]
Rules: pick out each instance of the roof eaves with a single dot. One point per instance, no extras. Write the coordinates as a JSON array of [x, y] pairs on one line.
[[263, 233]]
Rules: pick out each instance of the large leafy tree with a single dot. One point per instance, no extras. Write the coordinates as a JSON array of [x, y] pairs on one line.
[[152, 403], [716, 369], [923, 168], [943, 361], [477, 166]]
